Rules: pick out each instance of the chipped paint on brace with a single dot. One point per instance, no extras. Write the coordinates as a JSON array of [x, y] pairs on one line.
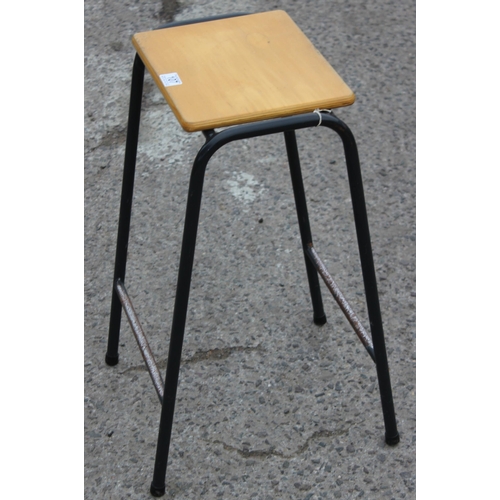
[[341, 300]]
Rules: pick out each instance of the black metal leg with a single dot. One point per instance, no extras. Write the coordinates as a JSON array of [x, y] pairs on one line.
[[178, 323], [125, 207], [214, 142], [369, 278], [304, 226]]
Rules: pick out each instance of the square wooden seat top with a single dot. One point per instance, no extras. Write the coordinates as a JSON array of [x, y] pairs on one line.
[[239, 70]]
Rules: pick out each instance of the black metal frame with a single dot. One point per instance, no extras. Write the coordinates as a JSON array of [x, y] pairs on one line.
[[214, 141]]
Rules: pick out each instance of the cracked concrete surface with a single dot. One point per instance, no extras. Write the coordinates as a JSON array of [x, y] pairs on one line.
[[269, 405]]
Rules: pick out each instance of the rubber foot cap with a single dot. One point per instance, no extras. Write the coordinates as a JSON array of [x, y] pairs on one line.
[[320, 321], [157, 492], [111, 360], [392, 441]]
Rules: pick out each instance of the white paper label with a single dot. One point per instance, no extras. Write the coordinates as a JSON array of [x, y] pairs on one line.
[[170, 79]]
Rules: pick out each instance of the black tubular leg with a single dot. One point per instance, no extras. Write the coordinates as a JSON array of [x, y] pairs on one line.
[[369, 278], [304, 226], [214, 141], [125, 207], [178, 324]]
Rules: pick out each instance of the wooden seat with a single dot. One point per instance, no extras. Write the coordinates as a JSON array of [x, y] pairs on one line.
[[239, 70]]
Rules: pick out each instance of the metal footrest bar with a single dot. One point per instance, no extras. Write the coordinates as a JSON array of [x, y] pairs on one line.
[[341, 301], [142, 341]]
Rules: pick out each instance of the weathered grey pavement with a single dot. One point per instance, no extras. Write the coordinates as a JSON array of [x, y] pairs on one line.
[[269, 404]]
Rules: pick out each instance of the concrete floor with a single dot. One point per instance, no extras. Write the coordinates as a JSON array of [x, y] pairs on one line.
[[269, 405]]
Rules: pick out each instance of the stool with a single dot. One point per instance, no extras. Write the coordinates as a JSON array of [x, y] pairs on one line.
[[249, 75]]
